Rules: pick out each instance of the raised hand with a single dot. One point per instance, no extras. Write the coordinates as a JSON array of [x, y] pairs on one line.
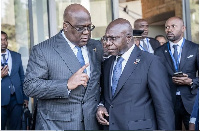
[[78, 78]]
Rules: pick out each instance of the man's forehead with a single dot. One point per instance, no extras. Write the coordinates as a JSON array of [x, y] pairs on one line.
[[143, 23], [113, 32]]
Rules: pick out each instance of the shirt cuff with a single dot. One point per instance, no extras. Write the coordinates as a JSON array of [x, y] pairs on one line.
[[100, 104], [192, 120]]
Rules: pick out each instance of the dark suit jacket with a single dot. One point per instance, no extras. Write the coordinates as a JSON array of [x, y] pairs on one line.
[[142, 99], [154, 43], [17, 78], [51, 64], [189, 64]]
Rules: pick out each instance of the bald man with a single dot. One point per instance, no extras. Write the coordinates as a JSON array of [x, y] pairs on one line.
[[180, 55], [63, 73], [146, 43], [135, 96]]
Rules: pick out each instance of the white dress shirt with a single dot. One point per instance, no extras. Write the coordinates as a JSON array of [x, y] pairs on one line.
[[84, 52], [125, 56], [146, 40], [9, 60]]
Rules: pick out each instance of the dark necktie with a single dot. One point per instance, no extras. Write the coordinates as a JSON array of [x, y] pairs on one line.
[[4, 57], [175, 53], [80, 57], [116, 74], [144, 45]]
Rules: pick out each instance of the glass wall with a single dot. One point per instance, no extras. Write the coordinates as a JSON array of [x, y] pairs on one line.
[[15, 22], [194, 16], [100, 10], [40, 21]]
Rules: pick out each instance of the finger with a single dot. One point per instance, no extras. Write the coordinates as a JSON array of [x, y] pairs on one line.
[[85, 75], [101, 119], [83, 68], [83, 83], [84, 79], [186, 75]]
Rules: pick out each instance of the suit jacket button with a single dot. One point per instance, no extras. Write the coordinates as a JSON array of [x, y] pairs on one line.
[[82, 102]]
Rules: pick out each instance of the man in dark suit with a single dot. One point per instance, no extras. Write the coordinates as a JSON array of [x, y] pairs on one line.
[[134, 95], [182, 55], [12, 95], [146, 43], [63, 73]]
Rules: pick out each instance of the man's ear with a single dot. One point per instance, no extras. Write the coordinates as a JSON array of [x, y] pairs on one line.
[[65, 26], [183, 28]]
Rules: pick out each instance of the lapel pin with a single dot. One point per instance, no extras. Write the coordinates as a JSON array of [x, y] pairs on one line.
[[137, 61], [95, 49], [165, 51]]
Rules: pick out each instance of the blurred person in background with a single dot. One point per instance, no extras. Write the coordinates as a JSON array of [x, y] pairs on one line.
[[162, 40], [146, 43], [12, 95]]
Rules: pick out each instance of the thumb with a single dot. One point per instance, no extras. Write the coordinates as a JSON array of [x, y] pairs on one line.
[[106, 113], [83, 68]]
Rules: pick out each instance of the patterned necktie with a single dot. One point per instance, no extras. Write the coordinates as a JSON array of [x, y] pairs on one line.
[[4, 57], [80, 57], [175, 53], [116, 74], [144, 45]]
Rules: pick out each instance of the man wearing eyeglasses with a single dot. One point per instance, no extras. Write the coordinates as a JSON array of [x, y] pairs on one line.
[[135, 96], [63, 73]]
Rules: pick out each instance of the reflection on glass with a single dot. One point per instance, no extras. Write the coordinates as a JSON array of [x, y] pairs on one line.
[[14, 18], [194, 10], [100, 10], [40, 21]]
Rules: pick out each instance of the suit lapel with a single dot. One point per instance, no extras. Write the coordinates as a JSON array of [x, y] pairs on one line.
[[92, 59], [128, 69], [168, 58], [14, 59], [67, 55], [108, 72], [184, 54]]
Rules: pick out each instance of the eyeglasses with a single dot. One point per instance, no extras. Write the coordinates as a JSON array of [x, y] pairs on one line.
[[82, 28], [110, 38]]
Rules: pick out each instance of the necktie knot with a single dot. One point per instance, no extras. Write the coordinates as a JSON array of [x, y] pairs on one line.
[[175, 47], [120, 59], [4, 57]]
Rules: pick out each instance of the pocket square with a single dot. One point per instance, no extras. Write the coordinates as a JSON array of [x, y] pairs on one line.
[[190, 56]]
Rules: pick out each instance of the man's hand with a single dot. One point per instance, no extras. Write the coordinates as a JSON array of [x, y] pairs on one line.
[[4, 71], [79, 78], [101, 112], [191, 126], [183, 80], [26, 103]]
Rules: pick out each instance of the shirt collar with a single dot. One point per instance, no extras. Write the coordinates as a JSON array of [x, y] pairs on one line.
[[127, 54], [70, 43], [6, 52], [179, 43]]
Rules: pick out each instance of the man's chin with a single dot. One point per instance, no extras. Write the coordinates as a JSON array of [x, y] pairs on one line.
[[83, 43]]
